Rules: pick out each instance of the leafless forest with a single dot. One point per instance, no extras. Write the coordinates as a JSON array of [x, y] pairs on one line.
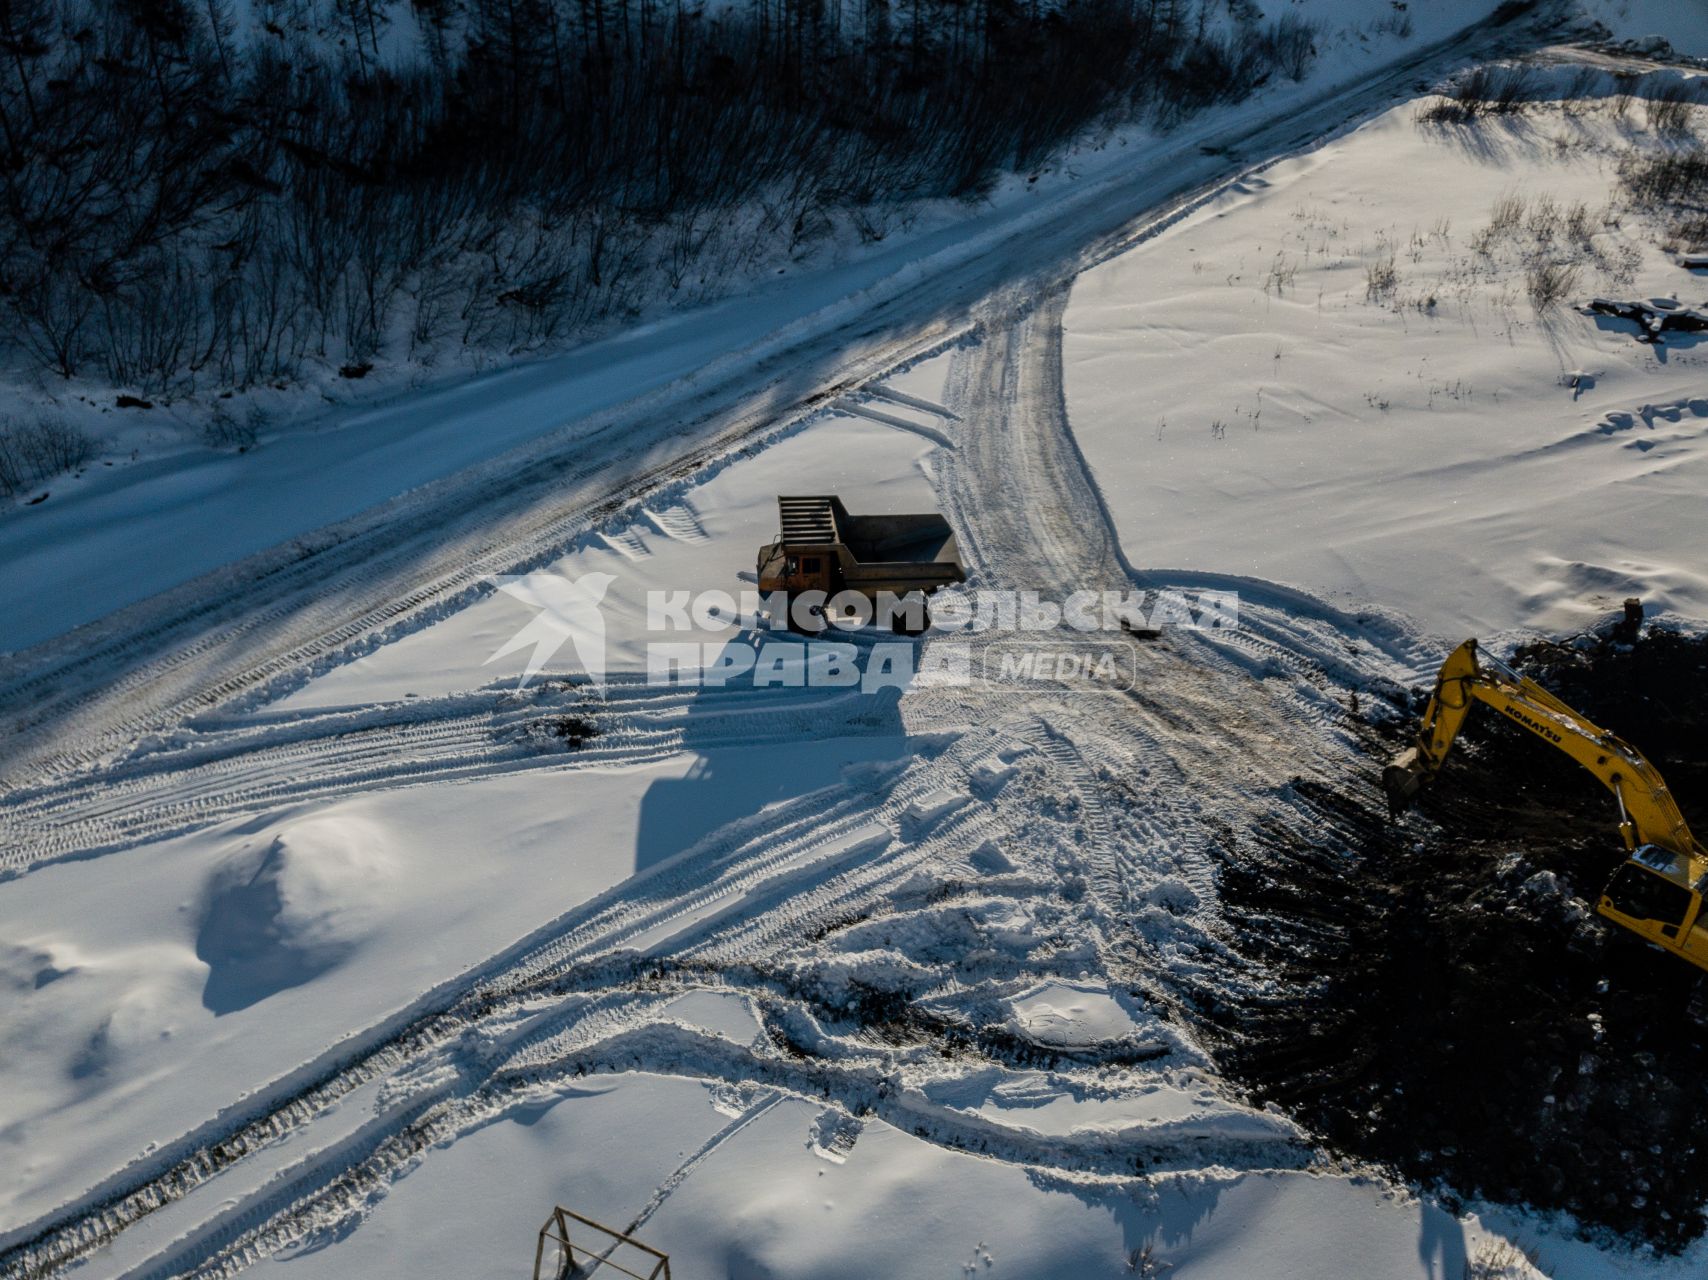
[[200, 197]]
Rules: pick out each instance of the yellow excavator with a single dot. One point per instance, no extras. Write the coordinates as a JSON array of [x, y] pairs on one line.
[[1657, 892]]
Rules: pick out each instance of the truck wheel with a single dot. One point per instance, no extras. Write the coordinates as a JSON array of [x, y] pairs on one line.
[[898, 624]]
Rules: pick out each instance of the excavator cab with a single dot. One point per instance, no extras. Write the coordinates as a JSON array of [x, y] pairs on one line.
[[1650, 895], [1657, 892], [1637, 893]]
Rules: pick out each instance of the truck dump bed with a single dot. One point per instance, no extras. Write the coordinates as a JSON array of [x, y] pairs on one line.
[[898, 553], [910, 539]]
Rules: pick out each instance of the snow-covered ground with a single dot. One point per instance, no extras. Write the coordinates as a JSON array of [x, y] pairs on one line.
[[1436, 446], [1683, 24], [764, 1200], [353, 968], [229, 956]]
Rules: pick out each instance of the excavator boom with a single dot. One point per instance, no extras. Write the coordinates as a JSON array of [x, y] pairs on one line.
[[1657, 893]]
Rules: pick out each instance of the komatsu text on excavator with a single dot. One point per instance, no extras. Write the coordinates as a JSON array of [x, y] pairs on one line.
[[1657, 892]]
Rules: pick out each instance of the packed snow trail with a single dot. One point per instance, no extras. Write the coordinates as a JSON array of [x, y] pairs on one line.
[[250, 765]]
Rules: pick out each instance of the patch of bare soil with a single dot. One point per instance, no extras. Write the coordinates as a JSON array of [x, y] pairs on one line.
[[1446, 1002]]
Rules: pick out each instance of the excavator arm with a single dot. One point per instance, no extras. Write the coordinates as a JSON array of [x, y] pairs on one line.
[[1648, 813], [1658, 892]]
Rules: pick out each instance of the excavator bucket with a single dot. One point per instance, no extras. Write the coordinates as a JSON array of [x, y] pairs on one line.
[[1402, 780]]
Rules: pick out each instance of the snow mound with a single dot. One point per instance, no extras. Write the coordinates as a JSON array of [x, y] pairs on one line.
[[141, 1016], [281, 915], [1070, 1015], [718, 1013], [31, 968], [930, 809]]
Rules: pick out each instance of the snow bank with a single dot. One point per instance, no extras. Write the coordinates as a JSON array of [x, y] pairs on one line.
[[283, 911]]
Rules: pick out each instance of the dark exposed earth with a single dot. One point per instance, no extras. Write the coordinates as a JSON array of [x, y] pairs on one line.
[[1448, 1004]]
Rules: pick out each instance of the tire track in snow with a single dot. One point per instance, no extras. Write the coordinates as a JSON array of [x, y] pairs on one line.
[[766, 840], [1220, 722], [1021, 431], [220, 774]]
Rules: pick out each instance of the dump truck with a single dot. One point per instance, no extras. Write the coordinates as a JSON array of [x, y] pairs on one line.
[[820, 547]]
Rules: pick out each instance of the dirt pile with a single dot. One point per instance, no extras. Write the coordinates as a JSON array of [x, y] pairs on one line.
[[1447, 1003]]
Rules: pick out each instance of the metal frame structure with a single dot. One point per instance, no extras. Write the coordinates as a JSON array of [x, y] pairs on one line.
[[556, 1229]]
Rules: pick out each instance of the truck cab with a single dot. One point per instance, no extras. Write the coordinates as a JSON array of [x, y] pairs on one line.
[[803, 556]]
